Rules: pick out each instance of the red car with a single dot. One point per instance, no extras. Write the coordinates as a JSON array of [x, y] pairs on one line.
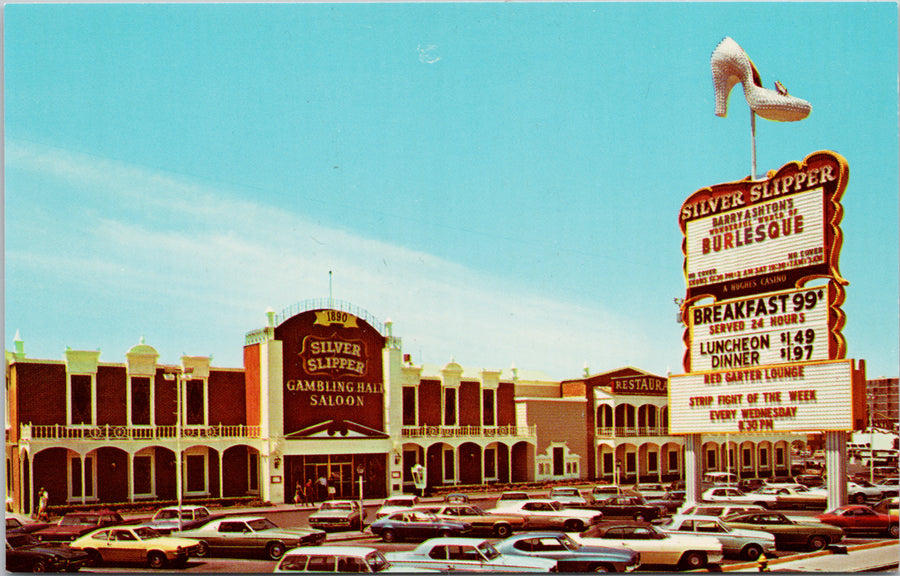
[[856, 518], [75, 524]]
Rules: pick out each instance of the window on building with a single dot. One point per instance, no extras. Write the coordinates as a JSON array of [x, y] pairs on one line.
[[559, 458], [81, 397], [143, 475], [75, 477], [747, 458], [195, 465], [140, 401], [490, 463], [763, 457], [409, 406], [608, 466], [449, 406], [195, 403], [652, 462], [449, 465], [630, 463], [673, 460], [487, 407], [253, 472], [711, 459], [779, 456], [731, 457]]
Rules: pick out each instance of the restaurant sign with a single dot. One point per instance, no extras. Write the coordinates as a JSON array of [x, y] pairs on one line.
[[639, 385]]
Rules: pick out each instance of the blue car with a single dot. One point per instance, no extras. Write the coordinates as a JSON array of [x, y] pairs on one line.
[[570, 556], [416, 525]]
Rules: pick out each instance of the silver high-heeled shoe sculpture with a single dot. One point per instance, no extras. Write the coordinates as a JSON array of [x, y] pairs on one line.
[[730, 65]]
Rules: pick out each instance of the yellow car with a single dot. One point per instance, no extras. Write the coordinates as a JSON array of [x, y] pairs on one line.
[[136, 544]]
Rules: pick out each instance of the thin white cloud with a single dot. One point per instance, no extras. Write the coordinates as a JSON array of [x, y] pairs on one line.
[[181, 244]]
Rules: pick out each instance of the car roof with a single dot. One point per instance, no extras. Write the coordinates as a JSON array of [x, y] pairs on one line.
[[696, 517], [546, 534], [333, 549], [458, 541]]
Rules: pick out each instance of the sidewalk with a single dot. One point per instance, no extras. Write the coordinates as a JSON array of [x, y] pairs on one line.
[[878, 556]]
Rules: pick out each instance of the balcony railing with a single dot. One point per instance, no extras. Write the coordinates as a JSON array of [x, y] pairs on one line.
[[107, 433], [631, 431], [469, 432]]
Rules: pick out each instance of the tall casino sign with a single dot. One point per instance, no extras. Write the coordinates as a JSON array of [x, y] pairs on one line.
[[333, 377], [762, 309]]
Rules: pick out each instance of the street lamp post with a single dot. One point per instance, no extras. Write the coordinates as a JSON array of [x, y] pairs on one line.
[[618, 473], [179, 378], [360, 469]]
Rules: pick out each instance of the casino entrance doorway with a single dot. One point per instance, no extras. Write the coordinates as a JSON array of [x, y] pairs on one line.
[[339, 471]]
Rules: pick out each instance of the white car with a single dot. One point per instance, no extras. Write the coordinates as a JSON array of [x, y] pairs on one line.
[[729, 494], [395, 503], [550, 514], [166, 520], [719, 510], [657, 548], [859, 492], [737, 542], [568, 496], [337, 559], [466, 555]]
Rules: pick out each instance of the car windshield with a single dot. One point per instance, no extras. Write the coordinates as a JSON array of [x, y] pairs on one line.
[[478, 510], [555, 505], [570, 544], [168, 514], [147, 533], [398, 502], [78, 520], [262, 524], [336, 506], [17, 540], [488, 550], [377, 562]]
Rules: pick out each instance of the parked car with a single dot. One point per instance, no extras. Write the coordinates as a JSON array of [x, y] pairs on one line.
[[670, 502], [721, 510], [796, 496], [244, 536], [736, 542], [860, 491], [568, 496], [498, 525], [657, 548], [889, 486], [416, 525], [750, 484], [810, 480], [337, 515], [336, 559], [888, 506], [550, 514], [512, 496], [601, 491], [634, 507], [136, 544], [22, 523], [466, 555], [729, 494], [168, 519], [570, 556], [858, 518], [789, 533], [395, 503], [25, 553], [456, 498], [75, 524]]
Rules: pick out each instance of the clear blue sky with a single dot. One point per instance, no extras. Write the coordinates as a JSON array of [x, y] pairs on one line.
[[502, 181]]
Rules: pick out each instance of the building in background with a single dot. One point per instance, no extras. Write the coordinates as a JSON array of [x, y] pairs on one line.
[[326, 395]]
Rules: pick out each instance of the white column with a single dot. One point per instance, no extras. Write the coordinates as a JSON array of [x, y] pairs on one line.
[[129, 465], [836, 467], [693, 446]]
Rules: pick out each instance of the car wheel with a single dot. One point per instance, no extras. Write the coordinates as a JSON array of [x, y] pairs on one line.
[[894, 530], [859, 498], [203, 552], [502, 530], [275, 550], [639, 517], [388, 536], [817, 542], [751, 552], [602, 568], [39, 566], [445, 533], [573, 526], [156, 560], [693, 560]]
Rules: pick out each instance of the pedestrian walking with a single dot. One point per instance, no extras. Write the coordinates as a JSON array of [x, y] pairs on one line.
[[310, 492], [299, 497], [43, 514], [322, 487]]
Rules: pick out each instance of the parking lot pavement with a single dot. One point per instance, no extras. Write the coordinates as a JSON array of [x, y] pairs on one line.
[[877, 556]]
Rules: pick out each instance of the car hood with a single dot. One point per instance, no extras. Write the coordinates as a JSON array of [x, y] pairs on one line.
[[749, 533], [331, 514], [64, 551], [605, 552]]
